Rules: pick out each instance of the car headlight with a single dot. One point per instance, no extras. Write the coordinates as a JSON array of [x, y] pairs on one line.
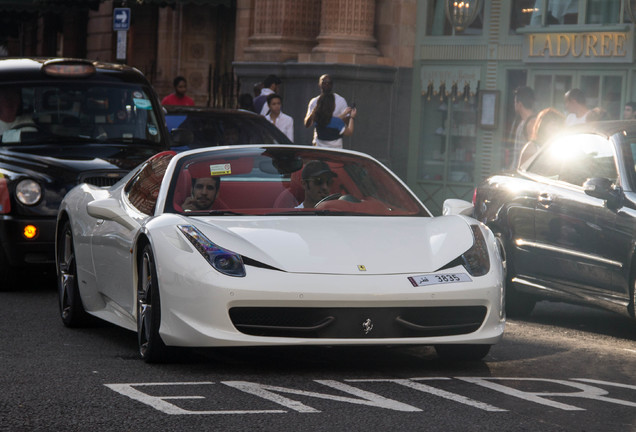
[[28, 192], [476, 259], [223, 260]]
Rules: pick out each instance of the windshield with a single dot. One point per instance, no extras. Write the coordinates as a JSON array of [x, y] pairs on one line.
[[287, 181], [77, 112]]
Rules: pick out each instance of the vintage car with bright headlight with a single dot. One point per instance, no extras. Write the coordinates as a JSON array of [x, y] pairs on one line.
[[64, 122], [275, 245]]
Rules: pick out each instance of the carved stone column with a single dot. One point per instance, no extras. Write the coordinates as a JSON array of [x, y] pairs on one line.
[[283, 29], [346, 30]]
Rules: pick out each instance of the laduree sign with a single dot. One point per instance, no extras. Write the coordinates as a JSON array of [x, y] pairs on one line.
[[588, 47]]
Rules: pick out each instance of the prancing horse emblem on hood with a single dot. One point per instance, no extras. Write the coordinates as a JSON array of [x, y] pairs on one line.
[[367, 326]]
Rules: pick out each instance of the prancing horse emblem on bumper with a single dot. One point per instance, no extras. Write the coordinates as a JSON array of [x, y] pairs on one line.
[[367, 326]]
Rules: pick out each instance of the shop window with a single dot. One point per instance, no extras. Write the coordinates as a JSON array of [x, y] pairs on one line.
[[448, 139], [541, 13], [603, 12], [438, 24]]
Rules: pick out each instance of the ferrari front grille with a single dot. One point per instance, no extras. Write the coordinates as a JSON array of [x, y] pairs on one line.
[[356, 323]]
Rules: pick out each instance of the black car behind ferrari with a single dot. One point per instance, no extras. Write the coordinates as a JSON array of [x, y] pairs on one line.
[[196, 127], [566, 220], [65, 122]]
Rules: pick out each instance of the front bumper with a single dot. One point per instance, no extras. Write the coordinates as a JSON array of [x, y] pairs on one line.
[[202, 308], [21, 251]]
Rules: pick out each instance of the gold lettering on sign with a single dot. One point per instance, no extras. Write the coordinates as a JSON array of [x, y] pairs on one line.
[[575, 45], [563, 45], [548, 46], [619, 43], [590, 44]]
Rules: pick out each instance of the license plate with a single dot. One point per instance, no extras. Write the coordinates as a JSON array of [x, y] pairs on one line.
[[438, 278]]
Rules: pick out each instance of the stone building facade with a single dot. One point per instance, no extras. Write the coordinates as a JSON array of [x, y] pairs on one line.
[[223, 47], [365, 45]]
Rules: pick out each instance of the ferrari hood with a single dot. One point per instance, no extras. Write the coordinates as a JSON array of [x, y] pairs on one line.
[[344, 245]]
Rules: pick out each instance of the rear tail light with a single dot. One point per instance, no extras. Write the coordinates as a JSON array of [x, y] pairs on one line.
[[474, 197], [5, 202]]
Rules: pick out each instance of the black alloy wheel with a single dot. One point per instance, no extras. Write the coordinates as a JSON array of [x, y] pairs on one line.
[[72, 310], [151, 348]]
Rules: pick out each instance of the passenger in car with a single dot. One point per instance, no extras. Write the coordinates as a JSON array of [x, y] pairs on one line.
[[204, 192], [10, 109], [317, 179]]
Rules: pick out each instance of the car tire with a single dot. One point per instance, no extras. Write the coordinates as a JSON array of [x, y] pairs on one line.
[[70, 304], [518, 304], [465, 352], [151, 348]]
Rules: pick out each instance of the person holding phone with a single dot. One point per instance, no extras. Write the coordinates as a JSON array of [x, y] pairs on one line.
[[330, 129], [326, 86]]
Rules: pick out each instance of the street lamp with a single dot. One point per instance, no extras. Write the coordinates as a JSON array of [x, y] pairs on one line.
[[461, 14]]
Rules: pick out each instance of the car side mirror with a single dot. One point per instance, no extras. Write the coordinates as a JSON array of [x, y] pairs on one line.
[[182, 137], [602, 188], [454, 206], [598, 188], [109, 209]]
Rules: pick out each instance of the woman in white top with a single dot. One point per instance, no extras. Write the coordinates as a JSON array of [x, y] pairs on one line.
[[279, 119]]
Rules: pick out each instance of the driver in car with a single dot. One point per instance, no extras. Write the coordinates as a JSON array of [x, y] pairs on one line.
[[10, 108], [317, 179], [204, 192]]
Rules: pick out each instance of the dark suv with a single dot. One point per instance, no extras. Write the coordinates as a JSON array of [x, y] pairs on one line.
[[65, 122]]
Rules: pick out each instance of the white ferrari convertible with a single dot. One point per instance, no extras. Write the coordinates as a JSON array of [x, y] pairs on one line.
[[276, 245]]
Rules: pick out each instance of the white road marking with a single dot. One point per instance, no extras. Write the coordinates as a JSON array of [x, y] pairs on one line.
[[586, 392], [274, 394], [411, 383], [366, 398], [160, 404]]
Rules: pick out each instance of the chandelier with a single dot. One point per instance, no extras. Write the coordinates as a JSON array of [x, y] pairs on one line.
[[461, 14]]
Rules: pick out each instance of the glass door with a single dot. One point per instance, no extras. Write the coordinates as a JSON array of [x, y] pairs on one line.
[[549, 89]]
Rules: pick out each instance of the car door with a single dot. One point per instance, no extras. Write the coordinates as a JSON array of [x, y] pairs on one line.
[[571, 226], [618, 220], [112, 241]]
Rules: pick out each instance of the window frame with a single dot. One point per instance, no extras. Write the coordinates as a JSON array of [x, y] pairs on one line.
[[582, 19]]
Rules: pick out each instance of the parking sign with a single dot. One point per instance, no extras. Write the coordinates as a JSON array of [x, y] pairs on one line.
[[121, 19]]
